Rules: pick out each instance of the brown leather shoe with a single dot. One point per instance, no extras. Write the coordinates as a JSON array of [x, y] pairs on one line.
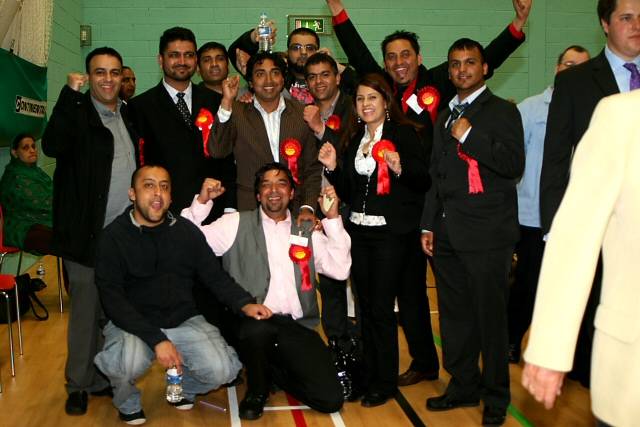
[[411, 377]]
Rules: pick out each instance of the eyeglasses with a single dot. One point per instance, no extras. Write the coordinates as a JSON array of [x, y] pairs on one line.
[[307, 47]]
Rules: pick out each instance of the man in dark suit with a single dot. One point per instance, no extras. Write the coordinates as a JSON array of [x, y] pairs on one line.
[[422, 93], [166, 118], [576, 94], [471, 214], [267, 130]]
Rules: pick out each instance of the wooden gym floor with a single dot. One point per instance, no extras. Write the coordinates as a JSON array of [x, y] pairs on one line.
[[36, 395]]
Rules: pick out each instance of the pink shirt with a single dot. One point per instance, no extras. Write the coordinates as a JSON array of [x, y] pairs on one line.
[[331, 251]]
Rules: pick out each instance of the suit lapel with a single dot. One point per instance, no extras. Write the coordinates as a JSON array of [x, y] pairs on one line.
[[603, 75]]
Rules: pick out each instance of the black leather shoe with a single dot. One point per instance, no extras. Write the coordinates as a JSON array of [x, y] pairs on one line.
[[514, 353], [252, 406], [374, 398], [76, 403], [492, 416], [411, 377], [446, 403]]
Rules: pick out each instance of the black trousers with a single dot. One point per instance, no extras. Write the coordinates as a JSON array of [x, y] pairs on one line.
[[281, 350], [522, 294], [415, 314], [472, 299], [335, 321], [378, 259]]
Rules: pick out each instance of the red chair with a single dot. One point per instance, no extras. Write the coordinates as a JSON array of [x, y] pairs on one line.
[[5, 250], [8, 284]]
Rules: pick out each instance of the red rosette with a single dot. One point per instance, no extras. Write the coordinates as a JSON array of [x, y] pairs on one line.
[[381, 147], [141, 151], [301, 255], [204, 122], [290, 150], [334, 122], [473, 172], [429, 99]]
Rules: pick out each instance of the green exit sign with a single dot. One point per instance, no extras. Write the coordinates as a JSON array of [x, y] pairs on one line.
[[319, 24]]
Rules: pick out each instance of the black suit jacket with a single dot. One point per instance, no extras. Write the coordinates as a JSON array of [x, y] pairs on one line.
[[363, 61], [496, 140], [170, 143], [345, 110], [403, 205], [576, 93]]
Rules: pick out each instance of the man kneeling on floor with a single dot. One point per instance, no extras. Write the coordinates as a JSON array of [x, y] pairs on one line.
[[147, 263], [276, 260]]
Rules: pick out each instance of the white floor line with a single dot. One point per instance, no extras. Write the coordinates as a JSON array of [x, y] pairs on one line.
[[233, 407], [337, 419], [285, 408]]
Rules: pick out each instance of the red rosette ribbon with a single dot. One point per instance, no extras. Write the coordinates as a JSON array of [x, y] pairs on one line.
[[291, 150], [301, 256], [141, 151], [473, 172], [429, 99], [334, 122], [381, 147], [204, 122]]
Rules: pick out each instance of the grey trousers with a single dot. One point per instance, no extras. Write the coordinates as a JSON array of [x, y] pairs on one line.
[[84, 336]]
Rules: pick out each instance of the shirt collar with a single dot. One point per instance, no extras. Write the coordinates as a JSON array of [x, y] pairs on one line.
[[279, 110], [265, 218], [376, 135], [103, 110], [174, 92], [469, 99], [616, 62], [547, 94]]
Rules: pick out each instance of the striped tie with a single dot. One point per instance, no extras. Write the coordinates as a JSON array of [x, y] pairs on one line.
[[455, 113], [634, 81]]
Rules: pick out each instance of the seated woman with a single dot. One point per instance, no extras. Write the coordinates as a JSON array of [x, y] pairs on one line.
[[26, 193]]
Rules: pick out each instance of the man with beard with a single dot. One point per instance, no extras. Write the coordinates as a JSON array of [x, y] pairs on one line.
[[301, 44], [128, 88], [168, 118], [148, 263], [213, 65]]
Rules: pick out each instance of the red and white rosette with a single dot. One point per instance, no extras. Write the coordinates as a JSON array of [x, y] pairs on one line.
[[381, 147], [290, 150], [429, 99], [204, 122], [473, 172], [334, 122], [301, 256]]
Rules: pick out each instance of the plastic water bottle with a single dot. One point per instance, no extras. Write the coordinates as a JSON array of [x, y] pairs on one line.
[[40, 271], [174, 385], [264, 34]]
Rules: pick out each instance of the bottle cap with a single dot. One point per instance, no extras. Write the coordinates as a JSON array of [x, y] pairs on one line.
[[172, 371]]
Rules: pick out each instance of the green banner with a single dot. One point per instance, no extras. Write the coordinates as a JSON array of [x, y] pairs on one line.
[[23, 97]]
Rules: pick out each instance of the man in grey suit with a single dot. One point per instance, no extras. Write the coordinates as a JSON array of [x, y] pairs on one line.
[[271, 128]]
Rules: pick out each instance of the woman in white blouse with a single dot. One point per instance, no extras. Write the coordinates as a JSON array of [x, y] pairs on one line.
[[382, 177]]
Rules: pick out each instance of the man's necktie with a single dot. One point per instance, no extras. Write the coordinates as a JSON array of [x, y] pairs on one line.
[[634, 82], [455, 113], [184, 110]]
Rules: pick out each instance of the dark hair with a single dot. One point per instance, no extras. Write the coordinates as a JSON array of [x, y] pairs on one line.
[[401, 35], [605, 9], [378, 83], [173, 34], [126, 67], [212, 45], [271, 167], [303, 30], [259, 58], [15, 144], [575, 47], [134, 175], [101, 51], [467, 44], [320, 58]]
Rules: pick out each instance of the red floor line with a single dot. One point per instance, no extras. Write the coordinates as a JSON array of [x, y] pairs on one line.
[[298, 415]]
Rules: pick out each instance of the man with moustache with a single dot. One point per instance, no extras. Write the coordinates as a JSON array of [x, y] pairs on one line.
[[471, 226], [128, 88], [168, 115], [264, 131], [92, 140], [301, 44], [147, 265], [213, 65], [576, 94]]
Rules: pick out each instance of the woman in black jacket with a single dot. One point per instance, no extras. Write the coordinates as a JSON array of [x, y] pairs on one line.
[[383, 177]]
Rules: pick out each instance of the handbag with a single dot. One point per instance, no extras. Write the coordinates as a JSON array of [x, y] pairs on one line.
[[27, 289]]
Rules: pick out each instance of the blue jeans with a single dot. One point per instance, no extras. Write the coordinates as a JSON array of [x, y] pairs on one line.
[[208, 361]]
